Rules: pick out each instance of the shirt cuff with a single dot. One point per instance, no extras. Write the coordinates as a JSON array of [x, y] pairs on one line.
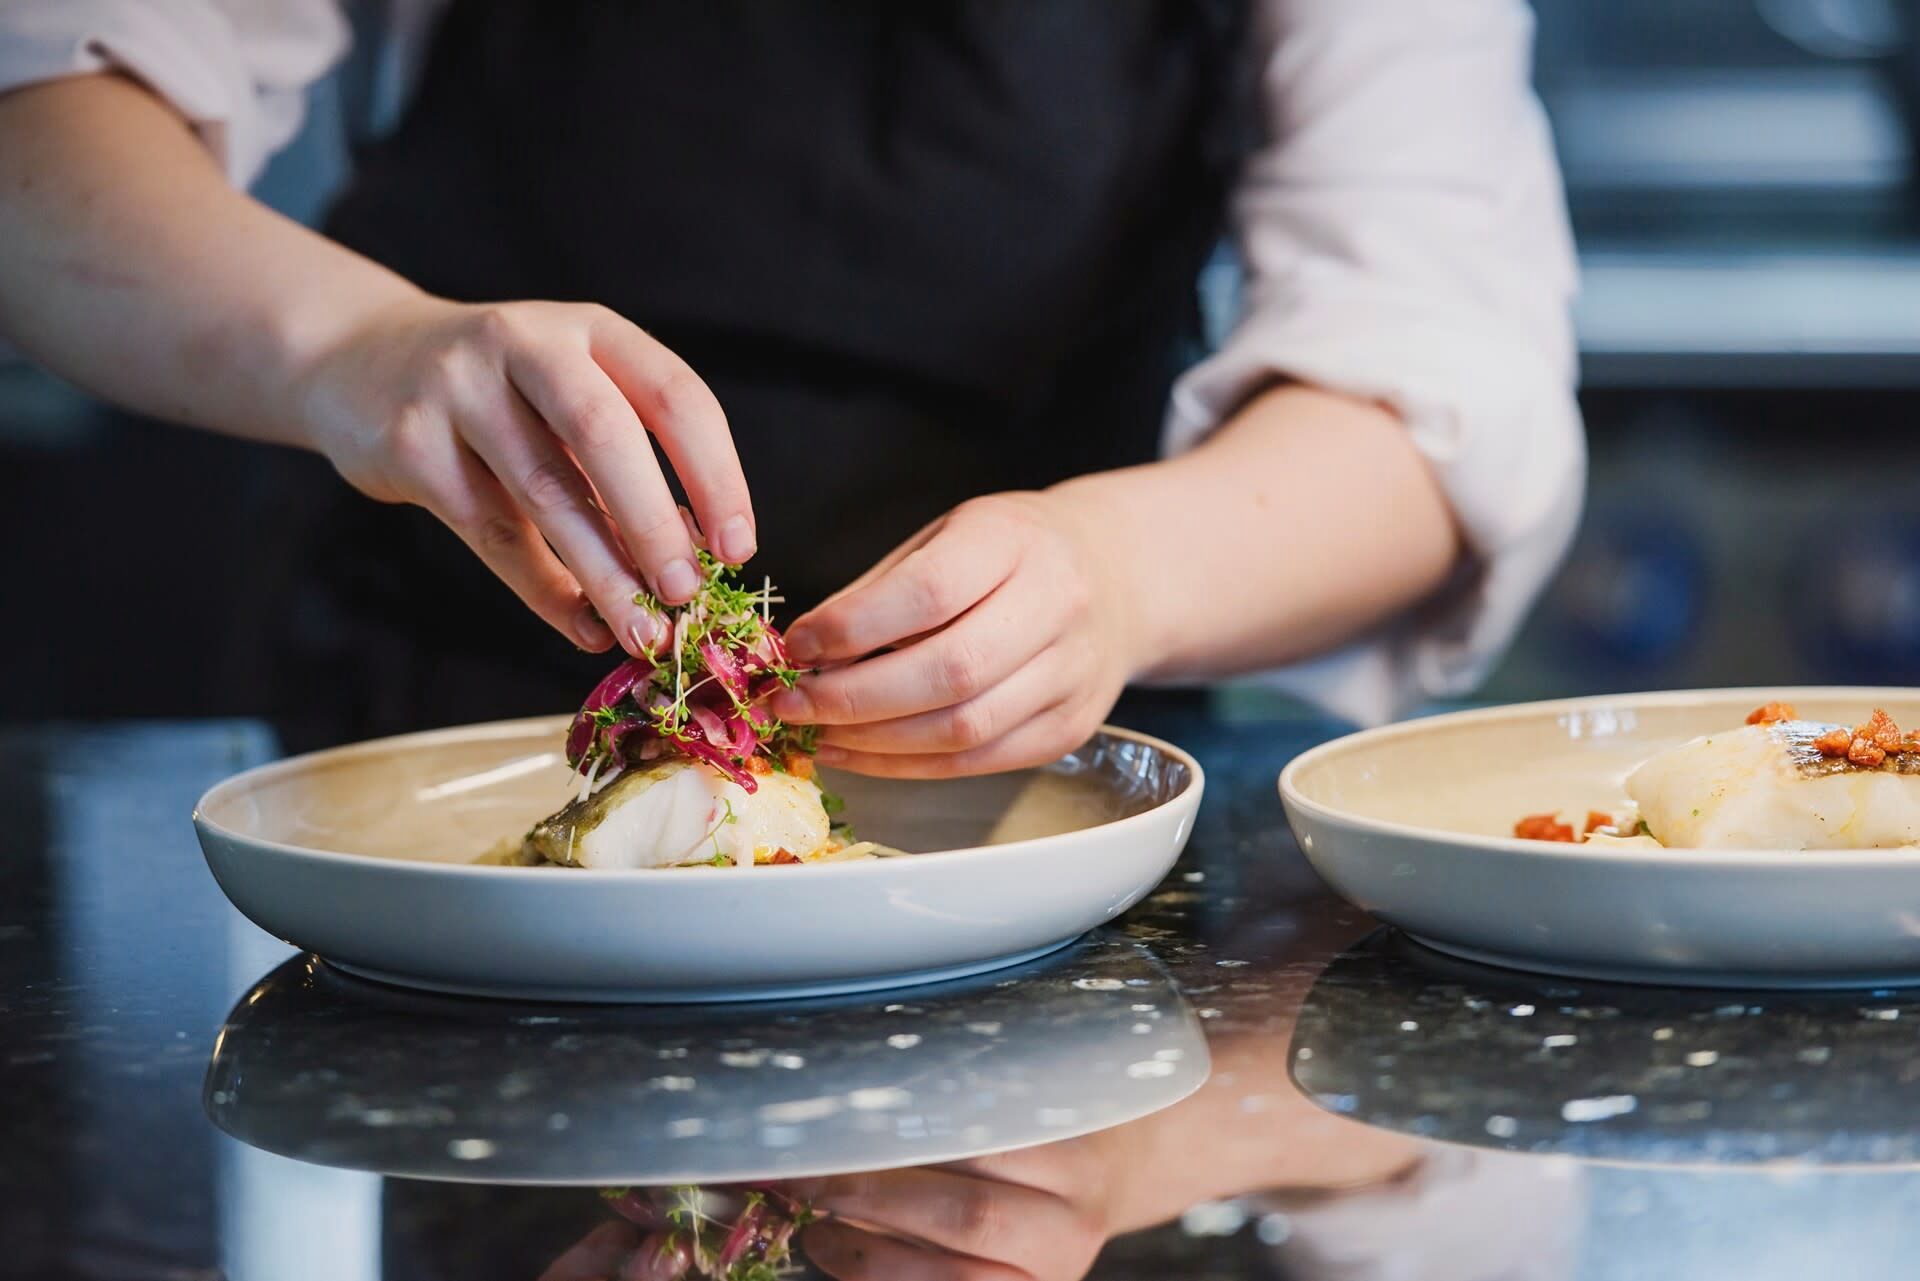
[[1498, 424], [239, 81]]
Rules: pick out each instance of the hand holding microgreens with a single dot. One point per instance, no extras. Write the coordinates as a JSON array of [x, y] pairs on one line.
[[686, 1240], [704, 696]]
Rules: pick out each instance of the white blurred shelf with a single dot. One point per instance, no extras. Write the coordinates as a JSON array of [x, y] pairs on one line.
[[1751, 319], [1831, 128]]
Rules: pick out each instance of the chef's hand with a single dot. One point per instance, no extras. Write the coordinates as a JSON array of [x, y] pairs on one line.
[[997, 637], [1036, 1215], [524, 426]]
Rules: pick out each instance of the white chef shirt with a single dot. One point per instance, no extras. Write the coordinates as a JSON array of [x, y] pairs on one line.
[[1402, 229]]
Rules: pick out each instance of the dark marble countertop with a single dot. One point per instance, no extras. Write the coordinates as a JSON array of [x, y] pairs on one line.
[[1242, 1078]]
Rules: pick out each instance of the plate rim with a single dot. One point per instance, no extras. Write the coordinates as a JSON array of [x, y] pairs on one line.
[[1188, 795], [1295, 801]]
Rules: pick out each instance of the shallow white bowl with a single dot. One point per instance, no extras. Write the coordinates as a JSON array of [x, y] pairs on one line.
[[362, 855], [1413, 823]]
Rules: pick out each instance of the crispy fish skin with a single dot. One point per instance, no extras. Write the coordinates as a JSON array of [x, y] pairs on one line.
[[1800, 737]]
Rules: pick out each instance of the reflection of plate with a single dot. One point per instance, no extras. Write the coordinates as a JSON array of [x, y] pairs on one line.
[[1412, 823], [358, 854], [1410, 1040], [328, 1069]]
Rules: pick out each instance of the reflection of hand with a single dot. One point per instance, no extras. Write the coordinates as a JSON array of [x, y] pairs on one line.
[[616, 1251], [1040, 1214], [598, 1256], [1010, 644]]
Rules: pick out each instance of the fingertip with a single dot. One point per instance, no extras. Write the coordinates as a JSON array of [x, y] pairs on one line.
[[644, 633], [590, 631], [736, 542], [803, 644], [677, 581], [792, 706]]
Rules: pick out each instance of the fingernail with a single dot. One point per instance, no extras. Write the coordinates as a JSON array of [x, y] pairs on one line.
[[593, 634], [791, 705], [646, 631], [679, 580], [828, 754], [736, 541], [802, 646]]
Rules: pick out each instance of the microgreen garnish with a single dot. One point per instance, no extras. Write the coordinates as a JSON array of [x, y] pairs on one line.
[[720, 857], [701, 693]]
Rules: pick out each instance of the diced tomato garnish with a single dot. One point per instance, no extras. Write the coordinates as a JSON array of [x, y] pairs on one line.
[[1543, 827]]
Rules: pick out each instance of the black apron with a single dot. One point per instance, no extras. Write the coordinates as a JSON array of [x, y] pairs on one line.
[[921, 252]]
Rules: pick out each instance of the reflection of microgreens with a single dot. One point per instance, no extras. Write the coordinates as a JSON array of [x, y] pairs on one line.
[[686, 1241]]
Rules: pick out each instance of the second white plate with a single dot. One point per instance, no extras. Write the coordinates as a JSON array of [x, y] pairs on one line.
[[1412, 823]]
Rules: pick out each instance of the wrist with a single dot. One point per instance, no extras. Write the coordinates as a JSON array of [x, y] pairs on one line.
[[315, 347], [1132, 559]]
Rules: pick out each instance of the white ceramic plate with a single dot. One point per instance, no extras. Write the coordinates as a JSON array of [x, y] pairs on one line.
[[362, 855], [1413, 823]]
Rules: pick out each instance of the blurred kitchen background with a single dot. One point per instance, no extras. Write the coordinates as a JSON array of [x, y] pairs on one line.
[[1743, 182]]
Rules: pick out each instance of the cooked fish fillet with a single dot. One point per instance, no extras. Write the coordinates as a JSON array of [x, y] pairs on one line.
[[1767, 787], [680, 811]]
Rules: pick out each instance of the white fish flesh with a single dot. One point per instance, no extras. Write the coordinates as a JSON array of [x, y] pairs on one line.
[[677, 812], [1766, 787]]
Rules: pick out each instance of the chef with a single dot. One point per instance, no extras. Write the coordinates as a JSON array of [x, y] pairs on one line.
[[898, 301]]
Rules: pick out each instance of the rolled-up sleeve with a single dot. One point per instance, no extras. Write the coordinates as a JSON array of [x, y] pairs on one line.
[[1404, 238], [238, 70]]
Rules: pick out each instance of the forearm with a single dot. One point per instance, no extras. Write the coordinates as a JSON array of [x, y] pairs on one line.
[[130, 267], [1306, 519]]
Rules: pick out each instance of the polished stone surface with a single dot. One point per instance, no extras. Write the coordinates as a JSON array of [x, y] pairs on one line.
[[1370, 1110], [1397, 1035], [320, 1066]]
